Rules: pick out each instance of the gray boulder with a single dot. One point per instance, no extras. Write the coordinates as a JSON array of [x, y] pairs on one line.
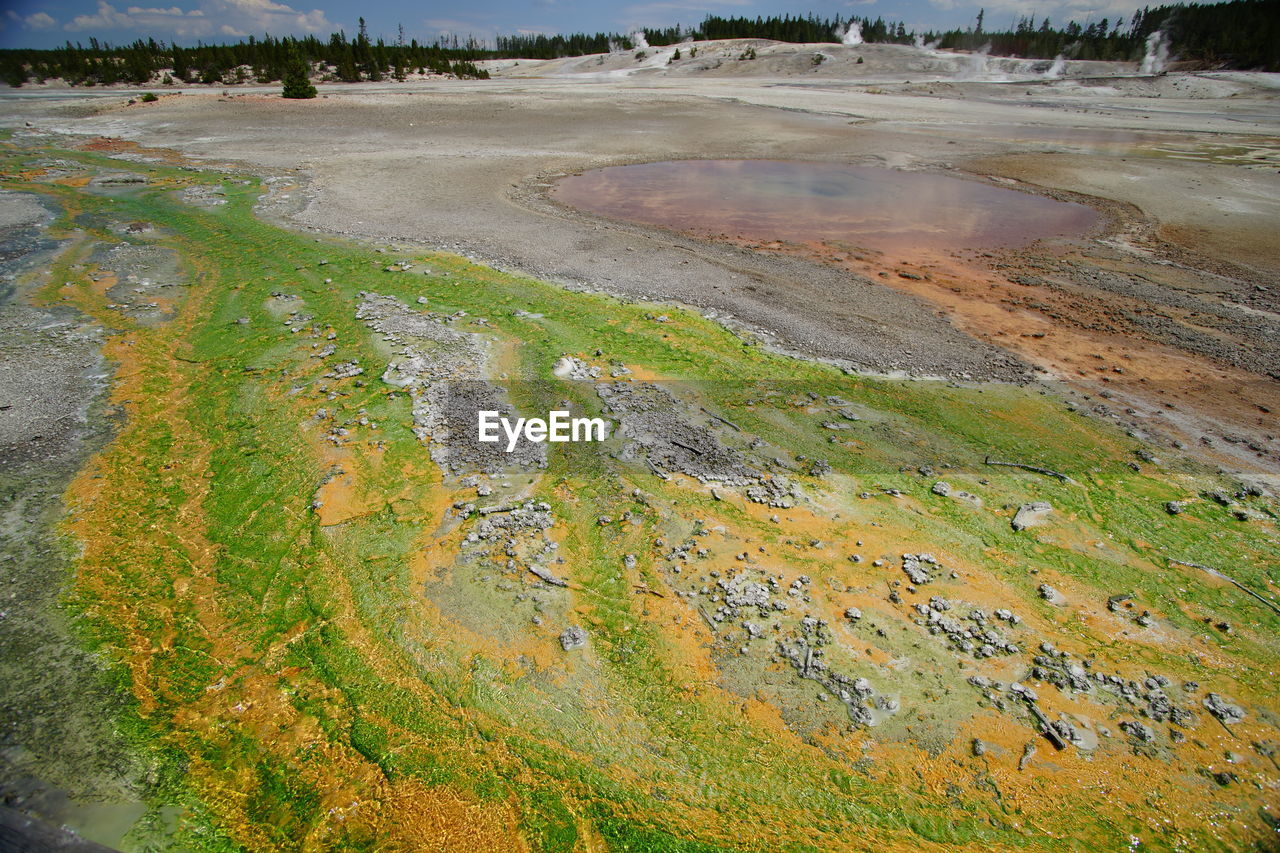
[[1029, 515]]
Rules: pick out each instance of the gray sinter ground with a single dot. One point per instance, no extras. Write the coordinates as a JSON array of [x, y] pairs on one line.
[[60, 757]]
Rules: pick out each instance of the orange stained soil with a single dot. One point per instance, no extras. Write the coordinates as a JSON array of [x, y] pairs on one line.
[[1076, 336]]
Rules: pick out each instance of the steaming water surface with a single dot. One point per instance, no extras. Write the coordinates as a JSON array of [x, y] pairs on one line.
[[807, 202]]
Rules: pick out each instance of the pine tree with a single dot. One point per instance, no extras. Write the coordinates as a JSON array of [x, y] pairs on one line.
[[297, 80], [365, 60]]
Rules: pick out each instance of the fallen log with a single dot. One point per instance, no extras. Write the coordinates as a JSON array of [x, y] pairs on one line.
[[1035, 469], [663, 474], [688, 447], [1046, 729], [724, 421], [1228, 579], [545, 575]]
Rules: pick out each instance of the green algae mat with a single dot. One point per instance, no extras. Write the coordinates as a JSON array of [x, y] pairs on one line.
[[780, 606]]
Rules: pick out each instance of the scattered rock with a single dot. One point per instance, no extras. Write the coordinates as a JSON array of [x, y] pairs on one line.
[[916, 567], [571, 367]]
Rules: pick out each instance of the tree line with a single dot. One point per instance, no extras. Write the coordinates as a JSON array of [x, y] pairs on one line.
[[806, 30], [1236, 34], [540, 46], [261, 60], [1232, 34]]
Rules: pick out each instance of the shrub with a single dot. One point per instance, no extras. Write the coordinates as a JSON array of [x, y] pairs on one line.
[[297, 82]]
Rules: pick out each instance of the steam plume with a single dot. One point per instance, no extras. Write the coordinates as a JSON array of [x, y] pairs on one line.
[[1157, 55]]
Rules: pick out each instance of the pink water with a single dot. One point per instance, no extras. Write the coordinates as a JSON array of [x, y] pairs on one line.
[[807, 202]]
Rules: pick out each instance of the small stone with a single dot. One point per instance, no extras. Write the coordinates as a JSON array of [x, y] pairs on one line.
[[573, 637]]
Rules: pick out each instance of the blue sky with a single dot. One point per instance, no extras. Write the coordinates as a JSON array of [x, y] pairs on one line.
[[45, 23]]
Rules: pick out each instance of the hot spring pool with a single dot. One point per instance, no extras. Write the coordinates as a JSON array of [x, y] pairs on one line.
[[809, 202]]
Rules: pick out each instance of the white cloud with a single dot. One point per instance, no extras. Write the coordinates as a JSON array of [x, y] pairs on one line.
[[40, 21], [106, 19], [221, 17]]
